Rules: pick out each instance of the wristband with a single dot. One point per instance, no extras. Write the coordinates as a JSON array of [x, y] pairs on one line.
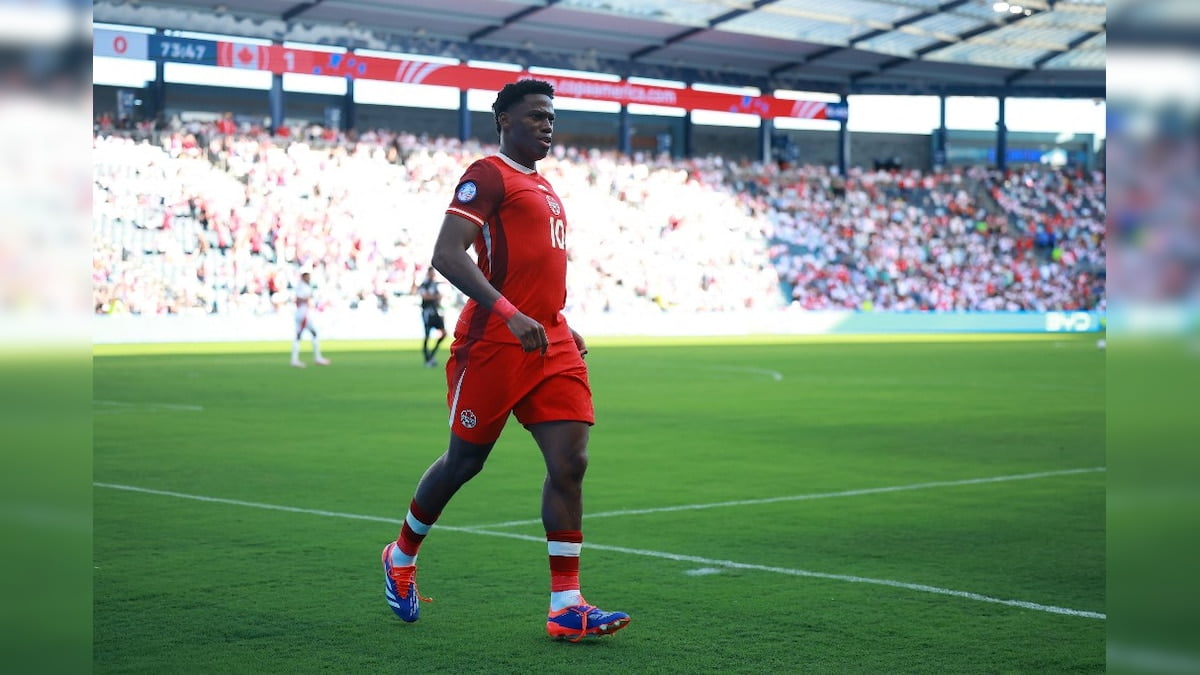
[[504, 308]]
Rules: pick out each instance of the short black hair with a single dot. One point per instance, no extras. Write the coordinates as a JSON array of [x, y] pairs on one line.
[[516, 91]]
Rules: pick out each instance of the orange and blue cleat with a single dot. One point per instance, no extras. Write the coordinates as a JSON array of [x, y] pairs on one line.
[[580, 621], [400, 587]]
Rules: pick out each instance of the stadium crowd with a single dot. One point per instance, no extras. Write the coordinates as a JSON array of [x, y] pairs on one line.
[[211, 218], [945, 241]]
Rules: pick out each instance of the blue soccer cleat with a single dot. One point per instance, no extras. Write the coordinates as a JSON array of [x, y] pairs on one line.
[[579, 621], [400, 587]]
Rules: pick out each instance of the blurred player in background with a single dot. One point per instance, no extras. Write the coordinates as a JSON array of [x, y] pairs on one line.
[[513, 352], [304, 322], [431, 315]]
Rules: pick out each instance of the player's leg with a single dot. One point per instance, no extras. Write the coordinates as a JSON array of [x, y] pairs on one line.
[[564, 448], [316, 343], [479, 403], [425, 355], [301, 321], [559, 414], [459, 464], [438, 326]]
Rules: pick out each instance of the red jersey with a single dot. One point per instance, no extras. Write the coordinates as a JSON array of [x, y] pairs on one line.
[[521, 247]]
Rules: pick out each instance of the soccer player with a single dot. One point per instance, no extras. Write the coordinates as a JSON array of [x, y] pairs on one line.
[[431, 315], [304, 322], [513, 352]]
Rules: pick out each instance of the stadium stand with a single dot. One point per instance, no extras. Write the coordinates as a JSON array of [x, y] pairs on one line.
[[194, 220]]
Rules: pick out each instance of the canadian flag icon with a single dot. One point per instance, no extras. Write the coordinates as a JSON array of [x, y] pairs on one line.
[[235, 55]]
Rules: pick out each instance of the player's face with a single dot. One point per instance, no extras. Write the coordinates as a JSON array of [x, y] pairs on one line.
[[529, 129]]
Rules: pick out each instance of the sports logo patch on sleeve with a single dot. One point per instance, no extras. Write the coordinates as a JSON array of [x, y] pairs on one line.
[[466, 192]]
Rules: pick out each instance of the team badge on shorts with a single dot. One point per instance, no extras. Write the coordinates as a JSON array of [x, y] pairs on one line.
[[466, 191], [467, 419], [554, 207]]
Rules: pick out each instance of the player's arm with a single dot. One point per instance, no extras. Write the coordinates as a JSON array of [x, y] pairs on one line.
[[451, 260], [580, 344]]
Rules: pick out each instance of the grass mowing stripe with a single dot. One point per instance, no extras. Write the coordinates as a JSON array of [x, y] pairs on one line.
[[815, 495], [731, 564]]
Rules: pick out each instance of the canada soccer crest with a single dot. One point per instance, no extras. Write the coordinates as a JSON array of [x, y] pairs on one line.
[[467, 418], [554, 207]]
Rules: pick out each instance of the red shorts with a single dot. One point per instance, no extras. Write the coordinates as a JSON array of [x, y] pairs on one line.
[[488, 380]]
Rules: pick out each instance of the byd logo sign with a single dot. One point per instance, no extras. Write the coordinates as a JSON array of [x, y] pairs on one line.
[[1068, 322]]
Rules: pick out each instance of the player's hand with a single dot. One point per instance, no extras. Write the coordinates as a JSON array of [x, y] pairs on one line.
[[531, 333], [580, 344]]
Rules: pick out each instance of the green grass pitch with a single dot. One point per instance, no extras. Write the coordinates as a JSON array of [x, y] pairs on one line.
[[756, 505]]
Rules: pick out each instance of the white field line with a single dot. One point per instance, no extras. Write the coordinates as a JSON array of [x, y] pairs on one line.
[[773, 374], [126, 405], [708, 562], [815, 495]]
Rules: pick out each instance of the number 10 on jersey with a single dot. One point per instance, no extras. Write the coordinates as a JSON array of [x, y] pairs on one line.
[[558, 233]]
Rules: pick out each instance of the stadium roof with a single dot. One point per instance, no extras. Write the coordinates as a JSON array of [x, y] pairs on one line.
[[957, 47]]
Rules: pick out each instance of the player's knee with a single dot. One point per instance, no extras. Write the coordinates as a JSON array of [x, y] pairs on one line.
[[463, 466], [466, 469], [570, 467]]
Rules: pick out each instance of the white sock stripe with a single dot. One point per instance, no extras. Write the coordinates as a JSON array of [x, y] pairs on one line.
[[402, 559], [564, 548], [560, 600], [416, 525]]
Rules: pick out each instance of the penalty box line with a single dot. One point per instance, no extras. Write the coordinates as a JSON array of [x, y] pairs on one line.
[[729, 564]]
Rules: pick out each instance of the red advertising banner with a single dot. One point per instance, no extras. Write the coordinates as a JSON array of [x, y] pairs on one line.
[[280, 59]]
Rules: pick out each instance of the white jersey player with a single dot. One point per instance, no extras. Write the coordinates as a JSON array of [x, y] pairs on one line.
[[304, 322]]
